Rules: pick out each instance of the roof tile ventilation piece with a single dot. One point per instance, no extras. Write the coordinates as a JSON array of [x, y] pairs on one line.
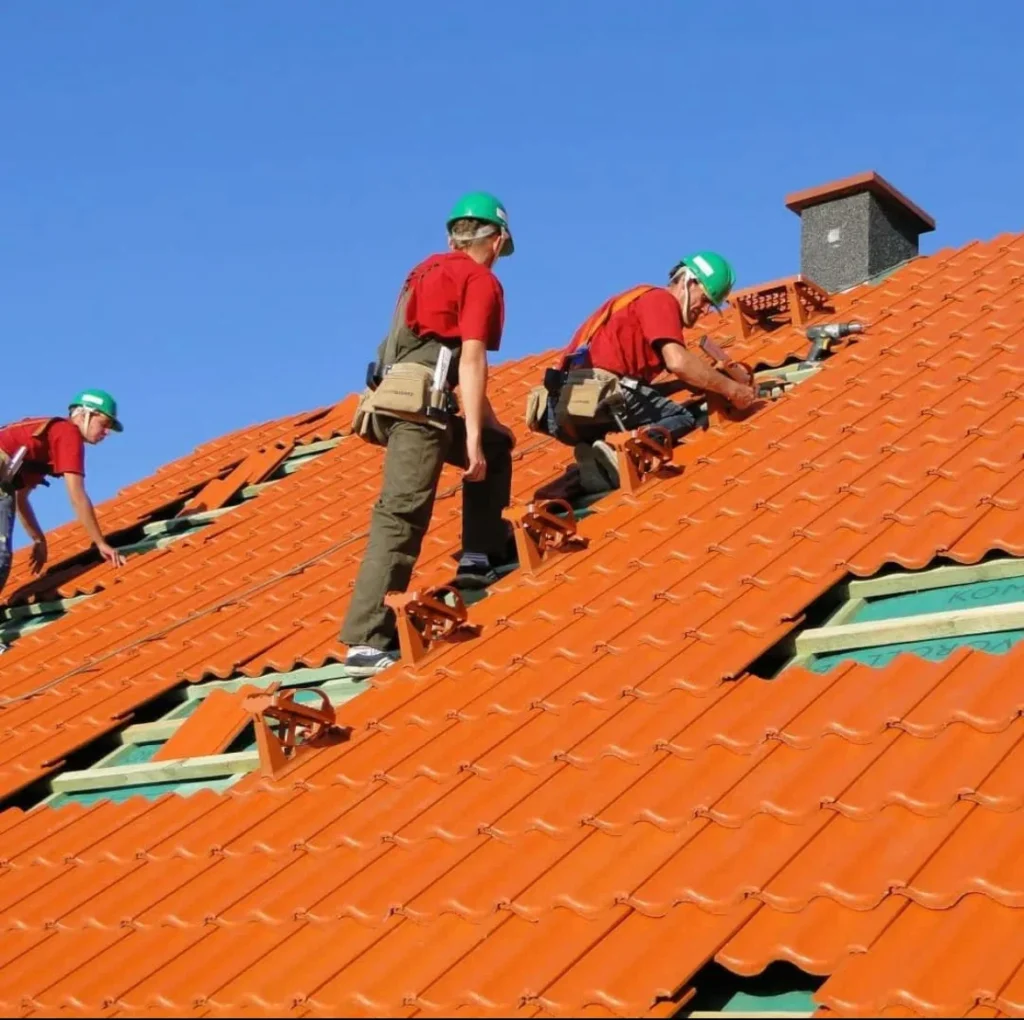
[[790, 301]]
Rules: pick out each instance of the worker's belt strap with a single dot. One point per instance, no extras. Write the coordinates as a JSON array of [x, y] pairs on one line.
[[575, 354], [12, 468], [405, 381]]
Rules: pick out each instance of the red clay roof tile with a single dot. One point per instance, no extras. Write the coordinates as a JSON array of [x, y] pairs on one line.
[[575, 811]]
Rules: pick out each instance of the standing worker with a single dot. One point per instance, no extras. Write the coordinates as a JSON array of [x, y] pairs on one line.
[[603, 382], [36, 447], [449, 314]]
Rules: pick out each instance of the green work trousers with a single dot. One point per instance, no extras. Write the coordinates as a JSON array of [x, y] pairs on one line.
[[413, 459]]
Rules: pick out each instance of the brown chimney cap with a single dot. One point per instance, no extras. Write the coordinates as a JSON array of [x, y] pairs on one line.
[[870, 181]]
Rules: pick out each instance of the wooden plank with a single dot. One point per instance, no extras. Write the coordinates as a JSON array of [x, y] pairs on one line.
[[212, 728], [173, 771], [938, 577], [150, 732], [846, 612], [322, 446], [179, 524], [982, 620], [56, 608]]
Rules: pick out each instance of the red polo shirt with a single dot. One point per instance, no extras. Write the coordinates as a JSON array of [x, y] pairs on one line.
[[626, 343], [455, 298], [59, 451]]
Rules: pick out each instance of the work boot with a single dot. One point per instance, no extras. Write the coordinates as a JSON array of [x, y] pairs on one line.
[[598, 467], [364, 661]]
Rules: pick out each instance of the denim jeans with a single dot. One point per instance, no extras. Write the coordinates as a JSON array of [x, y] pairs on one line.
[[6, 535], [644, 405]]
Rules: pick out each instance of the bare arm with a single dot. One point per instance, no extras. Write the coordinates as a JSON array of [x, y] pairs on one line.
[[696, 372], [86, 515], [27, 516], [473, 387]]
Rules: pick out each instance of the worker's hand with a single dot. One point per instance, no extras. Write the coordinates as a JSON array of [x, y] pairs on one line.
[[110, 554], [477, 469], [37, 558], [742, 396]]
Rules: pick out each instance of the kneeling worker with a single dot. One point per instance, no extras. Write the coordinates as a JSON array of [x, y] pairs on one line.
[[450, 313], [36, 447], [619, 351]]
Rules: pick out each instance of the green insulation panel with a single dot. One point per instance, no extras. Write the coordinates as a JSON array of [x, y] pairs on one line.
[[942, 600], [780, 988]]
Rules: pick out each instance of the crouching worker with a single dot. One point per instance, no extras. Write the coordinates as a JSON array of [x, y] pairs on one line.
[[603, 382], [450, 313], [36, 447]]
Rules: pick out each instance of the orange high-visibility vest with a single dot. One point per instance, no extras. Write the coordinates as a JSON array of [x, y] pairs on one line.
[[587, 332]]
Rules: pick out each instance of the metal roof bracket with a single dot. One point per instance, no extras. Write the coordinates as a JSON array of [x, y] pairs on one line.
[[642, 453], [425, 617], [539, 531]]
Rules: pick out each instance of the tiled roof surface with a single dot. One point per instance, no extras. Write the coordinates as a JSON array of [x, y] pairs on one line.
[[168, 487], [576, 811]]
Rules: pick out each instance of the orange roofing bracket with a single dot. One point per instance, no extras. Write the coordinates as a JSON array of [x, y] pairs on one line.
[[425, 617], [642, 453], [540, 531], [285, 727]]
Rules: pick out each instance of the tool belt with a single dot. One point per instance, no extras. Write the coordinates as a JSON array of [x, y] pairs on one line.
[[579, 397], [410, 380], [406, 391]]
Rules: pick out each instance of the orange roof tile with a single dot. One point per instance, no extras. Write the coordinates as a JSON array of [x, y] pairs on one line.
[[576, 811]]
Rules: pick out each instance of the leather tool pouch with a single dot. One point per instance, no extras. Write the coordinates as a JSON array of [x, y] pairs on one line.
[[587, 393]]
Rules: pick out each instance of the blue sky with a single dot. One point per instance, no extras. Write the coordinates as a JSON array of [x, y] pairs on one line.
[[207, 207]]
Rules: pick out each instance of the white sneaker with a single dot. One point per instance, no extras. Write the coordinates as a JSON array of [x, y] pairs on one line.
[[363, 661], [598, 465]]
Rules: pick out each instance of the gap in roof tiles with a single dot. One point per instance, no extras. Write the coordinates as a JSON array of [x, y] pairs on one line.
[[780, 989], [930, 614], [142, 740]]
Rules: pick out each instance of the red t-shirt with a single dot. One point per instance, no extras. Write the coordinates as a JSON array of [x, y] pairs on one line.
[[455, 298], [60, 451], [625, 344]]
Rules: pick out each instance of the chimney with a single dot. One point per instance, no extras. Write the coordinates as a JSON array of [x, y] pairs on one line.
[[855, 229]]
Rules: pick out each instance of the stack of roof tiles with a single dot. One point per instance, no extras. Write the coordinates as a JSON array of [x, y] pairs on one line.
[[575, 812]]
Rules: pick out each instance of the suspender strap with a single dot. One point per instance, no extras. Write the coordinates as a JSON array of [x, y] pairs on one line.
[[581, 341]]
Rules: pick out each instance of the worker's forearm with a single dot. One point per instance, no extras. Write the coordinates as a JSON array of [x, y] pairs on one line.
[[698, 374], [28, 518], [82, 506], [473, 386]]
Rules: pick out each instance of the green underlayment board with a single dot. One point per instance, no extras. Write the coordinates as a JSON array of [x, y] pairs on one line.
[[936, 600], [942, 600]]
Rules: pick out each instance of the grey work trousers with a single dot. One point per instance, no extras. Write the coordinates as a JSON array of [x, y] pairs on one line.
[[6, 535], [413, 459]]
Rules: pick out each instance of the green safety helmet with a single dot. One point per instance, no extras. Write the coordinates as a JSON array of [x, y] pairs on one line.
[[98, 400], [713, 273], [481, 205]]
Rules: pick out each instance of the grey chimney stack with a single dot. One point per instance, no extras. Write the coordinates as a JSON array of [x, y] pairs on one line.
[[855, 229]]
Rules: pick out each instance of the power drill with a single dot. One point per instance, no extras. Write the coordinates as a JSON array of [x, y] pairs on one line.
[[821, 337]]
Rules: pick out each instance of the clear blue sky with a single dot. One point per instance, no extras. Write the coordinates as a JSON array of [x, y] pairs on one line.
[[206, 206]]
